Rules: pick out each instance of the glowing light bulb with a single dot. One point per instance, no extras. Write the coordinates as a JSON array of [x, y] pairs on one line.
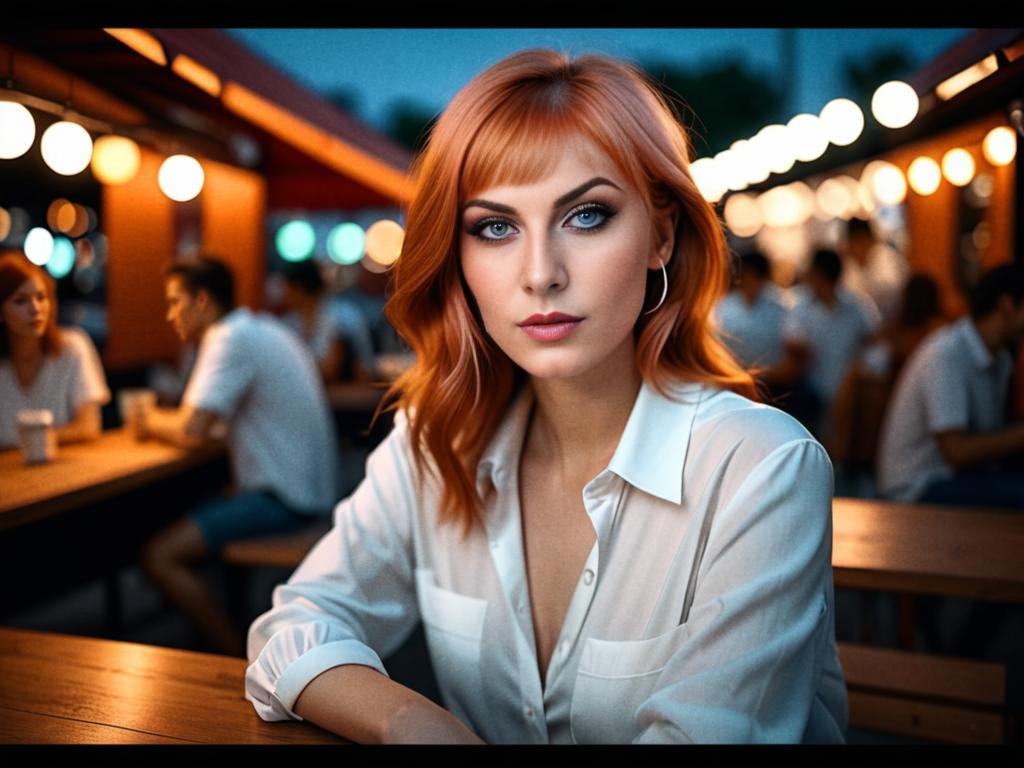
[[958, 167], [38, 246], [1000, 146], [807, 137], [115, 160], [708, 179], [842, 121], [181, 178], [924, 176], [17, 130], [346, 243], [895, 104], [889, 185], [66, 147]]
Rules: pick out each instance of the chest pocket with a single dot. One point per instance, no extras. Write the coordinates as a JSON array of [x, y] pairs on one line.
[[453, 625], [613, 679]]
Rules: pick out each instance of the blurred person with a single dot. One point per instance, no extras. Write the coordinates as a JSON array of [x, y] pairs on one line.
[[751, 315], [874, 268], [945, 431], [256, 382], [334, 329], [369, 295], [824, 332], [607, 538], [42, 365]]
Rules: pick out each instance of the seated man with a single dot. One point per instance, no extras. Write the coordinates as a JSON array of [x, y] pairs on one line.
[[255, 380], [824, 332], [945, 428]]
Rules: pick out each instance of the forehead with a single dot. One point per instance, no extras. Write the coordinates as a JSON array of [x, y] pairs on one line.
[[33, 284], [175, 286], [560, 162]]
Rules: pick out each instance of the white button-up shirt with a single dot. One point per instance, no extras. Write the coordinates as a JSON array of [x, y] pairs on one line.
[[703, 613]]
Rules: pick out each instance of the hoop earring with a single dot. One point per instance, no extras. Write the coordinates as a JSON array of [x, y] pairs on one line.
[[664, 288]]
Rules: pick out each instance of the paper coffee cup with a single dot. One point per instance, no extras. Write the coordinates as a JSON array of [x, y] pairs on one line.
[[36, 436]]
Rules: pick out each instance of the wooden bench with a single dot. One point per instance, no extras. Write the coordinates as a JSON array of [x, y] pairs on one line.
[[283, 551], [926, 698]]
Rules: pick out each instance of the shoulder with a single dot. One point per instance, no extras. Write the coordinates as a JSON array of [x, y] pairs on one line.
[[730, 425], [76, 342]]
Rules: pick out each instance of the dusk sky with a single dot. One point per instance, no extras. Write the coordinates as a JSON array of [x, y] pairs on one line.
[[428, 66]]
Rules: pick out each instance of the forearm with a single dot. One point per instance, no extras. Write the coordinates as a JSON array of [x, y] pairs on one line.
[[87, 425], [360, 704], [964, 451], [168, 425]]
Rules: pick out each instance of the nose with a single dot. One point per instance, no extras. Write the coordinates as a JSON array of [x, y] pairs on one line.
[[543, 265]]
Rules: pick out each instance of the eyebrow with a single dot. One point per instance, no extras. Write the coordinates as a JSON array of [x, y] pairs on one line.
[[567, 197]]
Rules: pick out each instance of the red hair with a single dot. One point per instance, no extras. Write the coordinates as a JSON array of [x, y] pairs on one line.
[[15, 269], [501, 127]]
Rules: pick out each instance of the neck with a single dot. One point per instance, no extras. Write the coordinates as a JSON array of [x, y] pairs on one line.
[[990, 329], [578, 422], [25, 349]]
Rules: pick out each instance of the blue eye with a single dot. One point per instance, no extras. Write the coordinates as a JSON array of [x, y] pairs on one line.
[[592, 216], [496, 229]]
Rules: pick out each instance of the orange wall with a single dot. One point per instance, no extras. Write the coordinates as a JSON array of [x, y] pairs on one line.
[[932, 222], [140, 224]]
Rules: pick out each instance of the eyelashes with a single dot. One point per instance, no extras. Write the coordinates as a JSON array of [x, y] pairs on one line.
[[604, 212]]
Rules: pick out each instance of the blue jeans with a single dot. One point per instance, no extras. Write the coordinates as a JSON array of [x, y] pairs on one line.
[[246, 514], [981, 489]]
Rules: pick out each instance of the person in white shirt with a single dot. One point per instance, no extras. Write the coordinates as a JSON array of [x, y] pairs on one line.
[[945, 429], [605, 538], [874, 268], [43, 366], [824, 333], [334, 329], [751, 315], [256, 382]]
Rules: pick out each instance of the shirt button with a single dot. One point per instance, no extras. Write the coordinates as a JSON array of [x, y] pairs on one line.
[[588, 576], [528, 711]]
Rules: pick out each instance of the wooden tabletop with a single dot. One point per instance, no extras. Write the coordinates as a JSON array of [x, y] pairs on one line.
[[61, 689], [928, 549], [88, 472]]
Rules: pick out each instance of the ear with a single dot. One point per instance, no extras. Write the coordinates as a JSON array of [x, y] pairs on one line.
[[665, 222]]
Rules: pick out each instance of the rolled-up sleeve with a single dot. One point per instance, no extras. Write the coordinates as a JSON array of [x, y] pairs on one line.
[[352, 600], [760, 624]]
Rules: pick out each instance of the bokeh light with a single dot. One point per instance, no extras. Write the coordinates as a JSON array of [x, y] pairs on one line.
[[889, 185], [895, 104], [833, 198], [807, 137], [66, 148], [924, 176], [346, 243], [38, 246], [958, 167], [842, 121], [296, 240], [708, 180], [5, 224], [731, 170], [743, 215], [115, 160], [774, 143], [1000, 146], [62, 258], [181, 177], [384, 242], [787, 206], [17, 130]]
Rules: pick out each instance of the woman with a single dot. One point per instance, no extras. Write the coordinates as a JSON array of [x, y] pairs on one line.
[[605, 538], [43, 366]]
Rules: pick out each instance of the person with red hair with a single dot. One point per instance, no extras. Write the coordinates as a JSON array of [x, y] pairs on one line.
[[606, 536], [43, 366]]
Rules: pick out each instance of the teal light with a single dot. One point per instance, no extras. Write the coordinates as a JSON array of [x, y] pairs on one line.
[[346, 243], [63, 258], [296, 240]]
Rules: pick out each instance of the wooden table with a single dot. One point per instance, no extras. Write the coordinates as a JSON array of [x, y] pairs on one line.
[[928, 549], [86, 513], [86, 473], [60, 689]]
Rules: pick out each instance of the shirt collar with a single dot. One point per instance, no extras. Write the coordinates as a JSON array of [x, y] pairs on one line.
[[650, 455], [980, 354]]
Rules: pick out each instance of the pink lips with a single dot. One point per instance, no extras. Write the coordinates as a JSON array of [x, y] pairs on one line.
[[552, 327]]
